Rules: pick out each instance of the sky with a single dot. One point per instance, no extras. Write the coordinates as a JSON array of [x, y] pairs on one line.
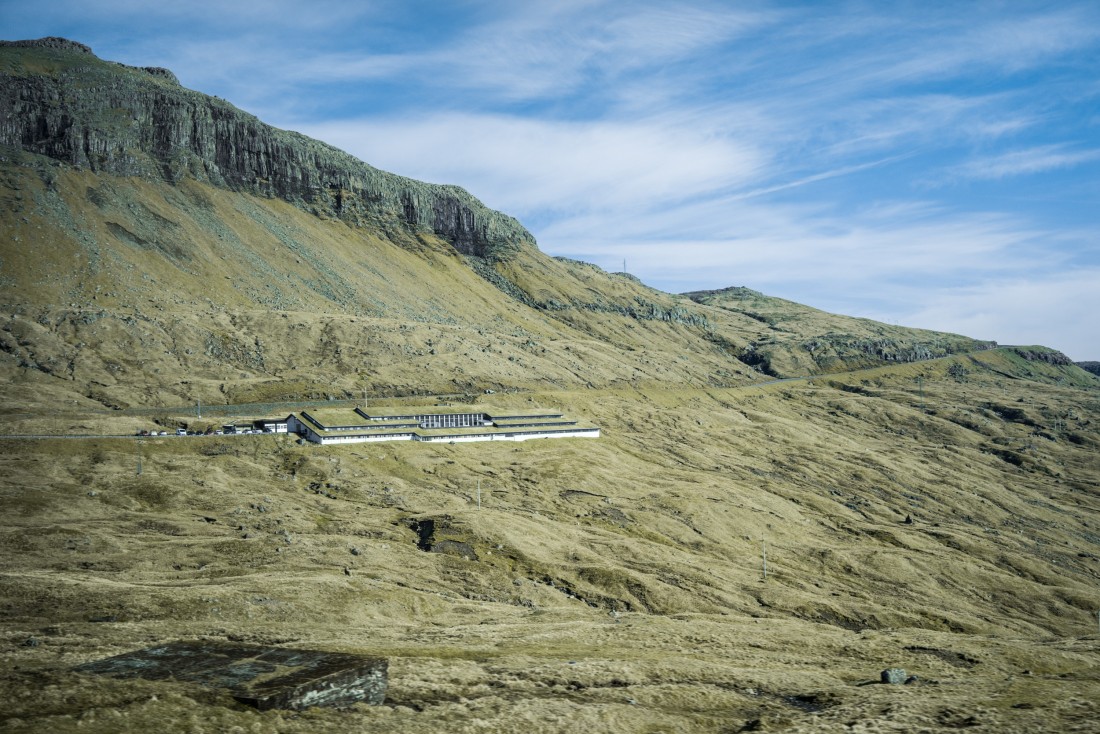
[[930, 164]]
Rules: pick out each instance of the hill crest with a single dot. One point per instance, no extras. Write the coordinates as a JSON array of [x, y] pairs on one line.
[[62, 101]]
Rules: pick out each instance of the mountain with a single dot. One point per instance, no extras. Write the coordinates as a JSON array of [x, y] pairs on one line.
[[136, 200], [924, 500]]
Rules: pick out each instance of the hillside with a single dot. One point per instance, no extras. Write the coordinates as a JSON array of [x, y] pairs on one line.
[[927, 501], [167, 274]]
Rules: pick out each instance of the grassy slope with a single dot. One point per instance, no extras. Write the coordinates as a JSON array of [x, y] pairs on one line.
[[610, 571], [133, 293]]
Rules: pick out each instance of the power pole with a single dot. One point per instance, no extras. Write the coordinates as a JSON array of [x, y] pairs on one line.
[[479, 494], [138, 442], [764, 548]]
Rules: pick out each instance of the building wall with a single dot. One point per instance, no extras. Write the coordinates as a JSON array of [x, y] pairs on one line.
[[525, 436], [326, 440], [456, 438], [451, 420]]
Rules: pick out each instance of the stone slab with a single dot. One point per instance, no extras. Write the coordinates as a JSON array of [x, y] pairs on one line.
[[264, 677]]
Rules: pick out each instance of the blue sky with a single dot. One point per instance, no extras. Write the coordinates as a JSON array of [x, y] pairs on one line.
[[932, 164]]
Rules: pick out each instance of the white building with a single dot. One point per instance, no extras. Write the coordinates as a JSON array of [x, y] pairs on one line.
[[456, 427]]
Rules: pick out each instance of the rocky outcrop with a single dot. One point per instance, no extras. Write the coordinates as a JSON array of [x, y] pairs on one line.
[[1093, 367], [59, 100], [888, 349], [1041, 354], [54, 42]]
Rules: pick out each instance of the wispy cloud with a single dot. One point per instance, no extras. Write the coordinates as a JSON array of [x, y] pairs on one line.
[[818, 177], [793, 246], [1023, 162], [1049, 309], [525, 165]]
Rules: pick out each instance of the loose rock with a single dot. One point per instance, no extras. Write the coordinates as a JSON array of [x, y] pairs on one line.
[[893, 675]]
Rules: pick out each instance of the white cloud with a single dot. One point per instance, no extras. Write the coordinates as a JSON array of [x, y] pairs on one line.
[[538, 51], [966, 40], [794, 247], [533, 166], [991, 276], [1057, 310], [1023, 162]]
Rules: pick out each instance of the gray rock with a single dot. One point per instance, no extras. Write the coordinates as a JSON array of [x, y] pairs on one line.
[[54, 42], [455, 548], [893, 675], [1093, 367], [264, 677]]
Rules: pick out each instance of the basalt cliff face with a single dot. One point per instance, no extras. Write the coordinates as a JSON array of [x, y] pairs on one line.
[[62, 101]]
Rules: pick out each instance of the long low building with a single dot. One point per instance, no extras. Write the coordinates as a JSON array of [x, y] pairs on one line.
[[333, 426]]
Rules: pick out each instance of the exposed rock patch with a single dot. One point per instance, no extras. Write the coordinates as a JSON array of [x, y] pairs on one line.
[[1050, 356], [1093, 367]]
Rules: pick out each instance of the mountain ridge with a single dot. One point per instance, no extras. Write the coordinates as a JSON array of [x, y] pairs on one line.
[[139, 121]]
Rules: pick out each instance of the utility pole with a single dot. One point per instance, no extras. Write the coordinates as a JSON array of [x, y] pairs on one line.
[[138, 442], [764, 548], [920, 386], [479, 494]]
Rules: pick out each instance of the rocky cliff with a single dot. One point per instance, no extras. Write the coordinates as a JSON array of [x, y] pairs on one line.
[[1093, 367], [59, 100]]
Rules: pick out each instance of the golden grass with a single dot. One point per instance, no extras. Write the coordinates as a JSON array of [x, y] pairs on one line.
[[618, 581]]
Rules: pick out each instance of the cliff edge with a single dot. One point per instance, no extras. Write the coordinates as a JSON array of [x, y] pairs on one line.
[[59, 100]]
